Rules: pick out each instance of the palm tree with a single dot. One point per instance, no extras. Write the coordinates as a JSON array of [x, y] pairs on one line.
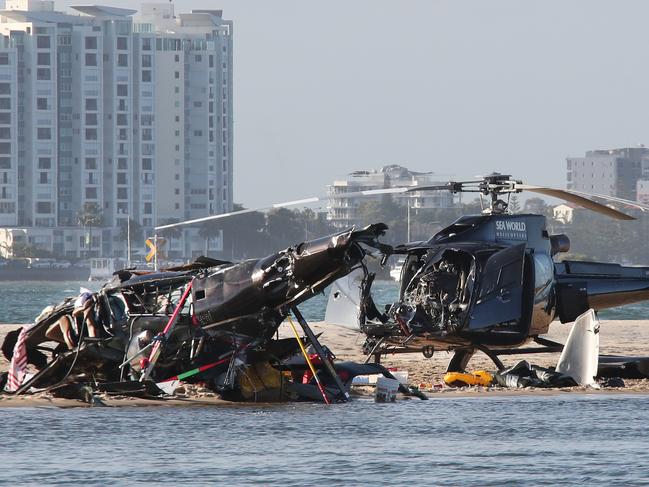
[[174, 233], [90, 215]]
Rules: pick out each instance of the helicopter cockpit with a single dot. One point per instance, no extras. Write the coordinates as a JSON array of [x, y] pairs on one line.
[[436, 291]]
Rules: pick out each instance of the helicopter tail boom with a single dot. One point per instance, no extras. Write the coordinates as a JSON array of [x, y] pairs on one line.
[[584, 285]]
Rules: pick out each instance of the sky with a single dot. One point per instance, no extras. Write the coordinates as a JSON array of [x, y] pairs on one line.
[[458, 87]]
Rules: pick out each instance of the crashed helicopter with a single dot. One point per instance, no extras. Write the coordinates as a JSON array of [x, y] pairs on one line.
[[487, 283], [209, 321]]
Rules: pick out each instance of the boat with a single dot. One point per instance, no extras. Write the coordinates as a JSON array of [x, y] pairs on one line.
[[103, 268], [395, 269]]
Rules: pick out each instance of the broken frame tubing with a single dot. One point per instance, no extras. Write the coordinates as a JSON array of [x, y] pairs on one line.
[[318, 348], [157, 348], [308, 361]]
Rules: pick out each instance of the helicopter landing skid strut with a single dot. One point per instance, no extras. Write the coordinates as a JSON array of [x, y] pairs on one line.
[[462, 356]]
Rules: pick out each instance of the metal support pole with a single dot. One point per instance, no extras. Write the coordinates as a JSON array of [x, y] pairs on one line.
[[318, 348], [155, 256], [408, 235], [128, 241]]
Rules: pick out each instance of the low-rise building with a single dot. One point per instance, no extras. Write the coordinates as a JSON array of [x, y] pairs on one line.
[[342, 208]]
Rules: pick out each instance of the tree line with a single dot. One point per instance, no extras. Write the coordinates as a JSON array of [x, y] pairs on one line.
[[254, 234]]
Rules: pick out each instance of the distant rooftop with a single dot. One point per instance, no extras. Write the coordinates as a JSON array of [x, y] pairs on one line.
[[42, 16], [103, 11]]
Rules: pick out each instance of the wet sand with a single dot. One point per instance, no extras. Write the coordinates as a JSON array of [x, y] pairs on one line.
[[616, 338]]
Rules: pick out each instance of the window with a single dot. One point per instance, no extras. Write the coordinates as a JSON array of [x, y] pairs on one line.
[[211, 60], [146, 60], [121, 163], [5, 163], [91, 163], [42, 178], [91, 59], [43, 42], [5, 89], [43, 59], [122, 90], [177, 58], [146, 76], [4, 58], [122, 43], [43, 207], [5, 103], [198, 58], [44, 163], [91, 193], [198, 104], [147, 164], [91, 134], [44, 133], [177, 191], [148, 208], [177, 74], [122, 60], [176, 89], [41, 103], [43, 74], [91, 43], [122, 119], [122, 193], [91, 119], [198, 133], [5, 117], [5, 133], [91, 103]]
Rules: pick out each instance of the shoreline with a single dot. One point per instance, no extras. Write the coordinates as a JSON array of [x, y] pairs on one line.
[[617, 337]]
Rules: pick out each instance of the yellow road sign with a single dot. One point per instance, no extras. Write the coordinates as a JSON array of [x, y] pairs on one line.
[[152, 250]]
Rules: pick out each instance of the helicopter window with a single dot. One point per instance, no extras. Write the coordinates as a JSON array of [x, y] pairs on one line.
[[543, 270]]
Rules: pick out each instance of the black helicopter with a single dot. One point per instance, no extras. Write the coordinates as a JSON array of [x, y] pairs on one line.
[[209, 321], [489, 282]]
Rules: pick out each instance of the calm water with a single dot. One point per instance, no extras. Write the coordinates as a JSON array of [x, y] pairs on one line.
[[21, 302], [557, 440], [554, 440]]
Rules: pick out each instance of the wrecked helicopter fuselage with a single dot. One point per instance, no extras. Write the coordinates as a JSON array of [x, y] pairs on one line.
[[209, 321]]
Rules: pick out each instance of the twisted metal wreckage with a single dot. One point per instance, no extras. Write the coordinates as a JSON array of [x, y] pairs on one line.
[[210, 321]]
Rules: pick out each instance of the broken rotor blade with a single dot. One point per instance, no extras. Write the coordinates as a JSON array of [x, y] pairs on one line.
[[285, 204], [576, 199]]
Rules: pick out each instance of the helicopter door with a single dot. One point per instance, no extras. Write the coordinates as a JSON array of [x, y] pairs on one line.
[[500, 296]]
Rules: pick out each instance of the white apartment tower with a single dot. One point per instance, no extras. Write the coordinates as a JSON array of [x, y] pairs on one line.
[[132, 116]]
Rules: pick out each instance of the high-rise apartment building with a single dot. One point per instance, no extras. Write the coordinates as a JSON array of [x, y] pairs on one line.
[[130, 116], [611, 172]]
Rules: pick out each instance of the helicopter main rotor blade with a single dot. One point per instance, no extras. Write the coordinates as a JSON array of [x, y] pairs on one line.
[[576, 199], [615, 199], [305, 201]]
